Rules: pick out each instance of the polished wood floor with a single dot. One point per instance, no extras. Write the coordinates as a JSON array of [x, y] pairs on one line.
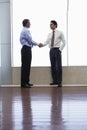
[[43, 108]]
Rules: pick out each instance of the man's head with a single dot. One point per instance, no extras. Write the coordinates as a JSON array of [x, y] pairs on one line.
[[53, 24], [26, 23]]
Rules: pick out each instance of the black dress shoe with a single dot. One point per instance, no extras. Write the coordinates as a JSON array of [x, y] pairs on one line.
[[60, 85], [26, 86], [53, 83], [30, 84]]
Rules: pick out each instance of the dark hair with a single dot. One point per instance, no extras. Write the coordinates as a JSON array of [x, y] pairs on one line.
[[54, 22], [25, 21]]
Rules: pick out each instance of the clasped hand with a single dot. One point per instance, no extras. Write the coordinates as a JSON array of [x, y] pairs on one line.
[[40, 45]]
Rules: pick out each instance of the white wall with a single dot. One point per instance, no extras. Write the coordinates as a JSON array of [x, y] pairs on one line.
[[72, 75]]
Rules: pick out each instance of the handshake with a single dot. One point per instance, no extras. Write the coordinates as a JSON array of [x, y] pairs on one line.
[[40, 45]]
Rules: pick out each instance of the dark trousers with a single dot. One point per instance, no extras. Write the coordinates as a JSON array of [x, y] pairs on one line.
[[56, 65], [26, 56]]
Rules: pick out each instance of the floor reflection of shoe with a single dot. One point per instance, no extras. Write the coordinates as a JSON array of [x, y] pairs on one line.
[[53, 83]]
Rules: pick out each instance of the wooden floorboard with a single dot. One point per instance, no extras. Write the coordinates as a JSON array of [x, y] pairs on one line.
[[43, 108]]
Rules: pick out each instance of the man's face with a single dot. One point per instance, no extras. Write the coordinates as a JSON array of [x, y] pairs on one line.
[[28, 24], [52, 26]]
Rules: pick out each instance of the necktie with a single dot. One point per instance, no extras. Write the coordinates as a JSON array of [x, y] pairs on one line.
[[52, 40]]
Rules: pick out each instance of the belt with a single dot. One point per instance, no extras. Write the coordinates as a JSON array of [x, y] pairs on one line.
[[27, 46], [55, 48]]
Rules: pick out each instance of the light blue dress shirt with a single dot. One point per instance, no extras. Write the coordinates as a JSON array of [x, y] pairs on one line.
[[26, 38]]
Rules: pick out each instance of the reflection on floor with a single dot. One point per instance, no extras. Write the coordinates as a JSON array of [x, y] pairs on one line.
[[43, 108]]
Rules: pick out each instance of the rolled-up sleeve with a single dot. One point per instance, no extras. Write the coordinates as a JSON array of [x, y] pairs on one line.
[[26, 38]]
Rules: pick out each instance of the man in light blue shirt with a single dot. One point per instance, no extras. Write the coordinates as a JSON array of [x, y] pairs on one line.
[[26, 53]]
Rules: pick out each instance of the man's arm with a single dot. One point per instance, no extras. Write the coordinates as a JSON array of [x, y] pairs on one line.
[[63, 42]]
